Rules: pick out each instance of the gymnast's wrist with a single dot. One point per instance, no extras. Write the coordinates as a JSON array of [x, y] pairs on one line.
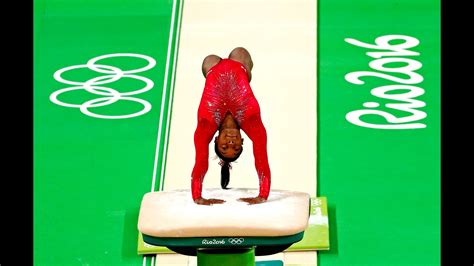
[[263, 196], [197, 199], [196, 195]]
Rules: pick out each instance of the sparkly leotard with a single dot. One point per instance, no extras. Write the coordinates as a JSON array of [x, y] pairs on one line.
[[227, 89]]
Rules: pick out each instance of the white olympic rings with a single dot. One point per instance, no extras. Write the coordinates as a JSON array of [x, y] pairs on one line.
[[110, 95], [236, 241]]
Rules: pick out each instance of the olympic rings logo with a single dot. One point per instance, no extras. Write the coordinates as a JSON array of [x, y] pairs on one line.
[[236, 241], [111, 96]]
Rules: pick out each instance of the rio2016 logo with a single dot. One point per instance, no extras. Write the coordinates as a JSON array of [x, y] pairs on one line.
[[391, 53], [213, 242], [233, 241], [109, 95]]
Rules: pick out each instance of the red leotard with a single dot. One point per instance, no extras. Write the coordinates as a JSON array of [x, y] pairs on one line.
[[227, 89]]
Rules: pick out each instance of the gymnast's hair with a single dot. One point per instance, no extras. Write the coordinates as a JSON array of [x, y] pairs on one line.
[[225, 166]]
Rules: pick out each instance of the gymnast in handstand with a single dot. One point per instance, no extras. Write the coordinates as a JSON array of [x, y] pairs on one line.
[[228, 105]]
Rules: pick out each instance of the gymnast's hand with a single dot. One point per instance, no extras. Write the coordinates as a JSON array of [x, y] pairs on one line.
[[209, 202], [252, 201]]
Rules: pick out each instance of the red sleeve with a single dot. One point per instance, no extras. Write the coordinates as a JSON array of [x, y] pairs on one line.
[[202, 137], [255, 130]]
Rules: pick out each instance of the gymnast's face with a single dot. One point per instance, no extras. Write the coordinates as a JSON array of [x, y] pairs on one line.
[[229, 142]]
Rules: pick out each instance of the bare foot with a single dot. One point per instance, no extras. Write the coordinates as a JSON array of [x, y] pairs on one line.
[[209, 202], [252, 201]]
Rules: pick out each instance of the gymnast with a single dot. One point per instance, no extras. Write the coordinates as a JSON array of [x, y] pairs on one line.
[[228, 105]]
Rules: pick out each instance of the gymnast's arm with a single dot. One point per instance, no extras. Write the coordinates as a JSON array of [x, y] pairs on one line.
[[255, 130], [202, 137]]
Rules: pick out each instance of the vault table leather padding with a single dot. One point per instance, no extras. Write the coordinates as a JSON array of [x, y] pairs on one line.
[[174, 214]]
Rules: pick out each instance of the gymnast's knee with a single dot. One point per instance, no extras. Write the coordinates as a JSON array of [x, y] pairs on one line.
[[208, 62], [241, 55]]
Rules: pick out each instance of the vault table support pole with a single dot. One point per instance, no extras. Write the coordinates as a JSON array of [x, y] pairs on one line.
[[227, 257]]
